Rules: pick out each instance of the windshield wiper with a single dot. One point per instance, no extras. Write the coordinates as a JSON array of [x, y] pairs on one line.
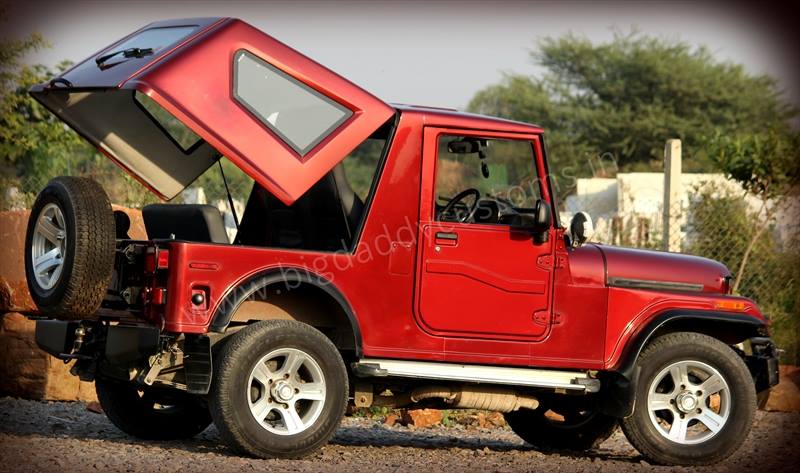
[[128, 53]]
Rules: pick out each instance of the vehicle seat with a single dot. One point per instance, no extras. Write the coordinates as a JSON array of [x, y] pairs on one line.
[[190, 222], [326, 217]]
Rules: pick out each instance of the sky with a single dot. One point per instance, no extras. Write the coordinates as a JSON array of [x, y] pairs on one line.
[[431, 53]]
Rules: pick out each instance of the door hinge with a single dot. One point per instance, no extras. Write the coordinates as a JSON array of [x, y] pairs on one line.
[[545, 261], [541, 317]]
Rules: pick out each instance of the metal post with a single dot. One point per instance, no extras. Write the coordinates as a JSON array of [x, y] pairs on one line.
[[672, 196]]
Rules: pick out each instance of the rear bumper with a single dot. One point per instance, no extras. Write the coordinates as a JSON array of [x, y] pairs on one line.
[[118, 344], [762, 361]]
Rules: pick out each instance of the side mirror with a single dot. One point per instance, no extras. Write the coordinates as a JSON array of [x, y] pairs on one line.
[[538, 222], [581, 229], [543, 218], [464, 146]]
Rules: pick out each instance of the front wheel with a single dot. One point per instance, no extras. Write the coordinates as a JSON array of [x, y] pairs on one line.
[[695, 401], [280, 389]]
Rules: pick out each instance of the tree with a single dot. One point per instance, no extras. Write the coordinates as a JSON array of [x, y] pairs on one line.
[[767, 165], [721, 227], [624, 98], [35, 145], [33, 142]]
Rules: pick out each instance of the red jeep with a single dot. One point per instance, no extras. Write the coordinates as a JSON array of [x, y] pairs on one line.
[[387, 255]]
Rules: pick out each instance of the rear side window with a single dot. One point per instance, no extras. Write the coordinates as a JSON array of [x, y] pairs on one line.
[[179, 133], [298, 114]]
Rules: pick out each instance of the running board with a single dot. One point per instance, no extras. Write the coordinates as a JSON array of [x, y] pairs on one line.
[[571, 380]]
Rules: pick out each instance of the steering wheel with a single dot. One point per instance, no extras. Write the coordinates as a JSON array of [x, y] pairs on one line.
[[448, 208]]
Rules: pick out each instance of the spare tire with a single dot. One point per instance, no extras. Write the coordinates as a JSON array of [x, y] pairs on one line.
[[69, 248]]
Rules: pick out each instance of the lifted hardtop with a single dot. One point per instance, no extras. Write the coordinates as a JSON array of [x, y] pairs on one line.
[[388, 255]]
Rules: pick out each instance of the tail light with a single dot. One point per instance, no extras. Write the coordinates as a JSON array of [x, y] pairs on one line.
[[155, 259]]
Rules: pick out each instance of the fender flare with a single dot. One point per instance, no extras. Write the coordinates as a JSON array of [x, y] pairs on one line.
[[289, 276], [621, 381]]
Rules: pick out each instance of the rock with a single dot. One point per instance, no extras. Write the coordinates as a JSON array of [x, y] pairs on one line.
[[28, 372], [714, 402], [496, 419], [14, 295], [137, 230], [94, 406], [785, 397], [421, 418], [390, 420]]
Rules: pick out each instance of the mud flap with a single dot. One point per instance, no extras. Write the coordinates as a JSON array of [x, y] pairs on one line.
[[618, 392], [197, 364]]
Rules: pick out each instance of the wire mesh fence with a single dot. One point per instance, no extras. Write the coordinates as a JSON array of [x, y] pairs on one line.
[[714, 218], [758, 241]]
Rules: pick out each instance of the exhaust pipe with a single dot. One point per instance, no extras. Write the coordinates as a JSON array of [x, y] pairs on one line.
[[488, 398]]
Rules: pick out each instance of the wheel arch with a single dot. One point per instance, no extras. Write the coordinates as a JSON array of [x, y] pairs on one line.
[[291, 293], [620, 381]]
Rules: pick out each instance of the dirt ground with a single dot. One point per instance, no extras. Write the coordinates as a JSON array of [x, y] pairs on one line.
[[63, 437]]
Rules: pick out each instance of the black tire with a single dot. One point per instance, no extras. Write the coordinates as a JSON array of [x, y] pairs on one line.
[[572, 428], [85, 273], [232, 390], [150, 413], [692, 347]]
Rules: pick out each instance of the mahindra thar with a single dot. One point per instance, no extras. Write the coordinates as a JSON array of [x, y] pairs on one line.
[[387, 255]]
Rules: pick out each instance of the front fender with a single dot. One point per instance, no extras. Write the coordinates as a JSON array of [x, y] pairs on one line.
[[620, 380]]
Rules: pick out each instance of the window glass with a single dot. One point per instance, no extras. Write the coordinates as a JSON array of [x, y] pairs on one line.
[[499, 174], [174, 128], [361, 165], [155, 38], [300, 115]]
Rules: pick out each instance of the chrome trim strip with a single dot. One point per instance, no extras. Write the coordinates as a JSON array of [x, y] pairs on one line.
[[656, 285], [572, 380]]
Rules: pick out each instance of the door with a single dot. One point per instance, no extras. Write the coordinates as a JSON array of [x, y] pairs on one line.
[[232, 89], [480, 274]]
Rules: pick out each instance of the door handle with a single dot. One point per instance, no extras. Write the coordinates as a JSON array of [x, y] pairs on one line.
[[446, 238]]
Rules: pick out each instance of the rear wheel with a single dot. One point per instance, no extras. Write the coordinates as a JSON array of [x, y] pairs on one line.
[[695, 401], [150, 413], [561, 426], [280, 389], [69, 248]]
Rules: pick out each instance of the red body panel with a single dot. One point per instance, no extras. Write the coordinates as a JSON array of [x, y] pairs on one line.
[[87, 74], [644, 265], [193, 78], [196, 85], [488, 283], [629, 310]]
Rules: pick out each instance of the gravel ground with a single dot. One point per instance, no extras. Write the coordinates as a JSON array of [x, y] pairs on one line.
[[61, 437]]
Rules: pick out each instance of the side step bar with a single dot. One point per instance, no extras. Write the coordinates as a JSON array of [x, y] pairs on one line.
[[555, 379]]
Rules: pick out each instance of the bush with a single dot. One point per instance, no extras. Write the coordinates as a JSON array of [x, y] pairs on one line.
[[720, 227]]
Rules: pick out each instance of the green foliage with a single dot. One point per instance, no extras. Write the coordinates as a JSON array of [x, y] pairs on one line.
[[361, 164], [34, 145], [721, 226], [212, 184], [767, 164], [626, 97], [27, 130]]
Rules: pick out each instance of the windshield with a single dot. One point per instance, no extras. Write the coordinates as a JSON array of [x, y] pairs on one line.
[[147, 42]]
